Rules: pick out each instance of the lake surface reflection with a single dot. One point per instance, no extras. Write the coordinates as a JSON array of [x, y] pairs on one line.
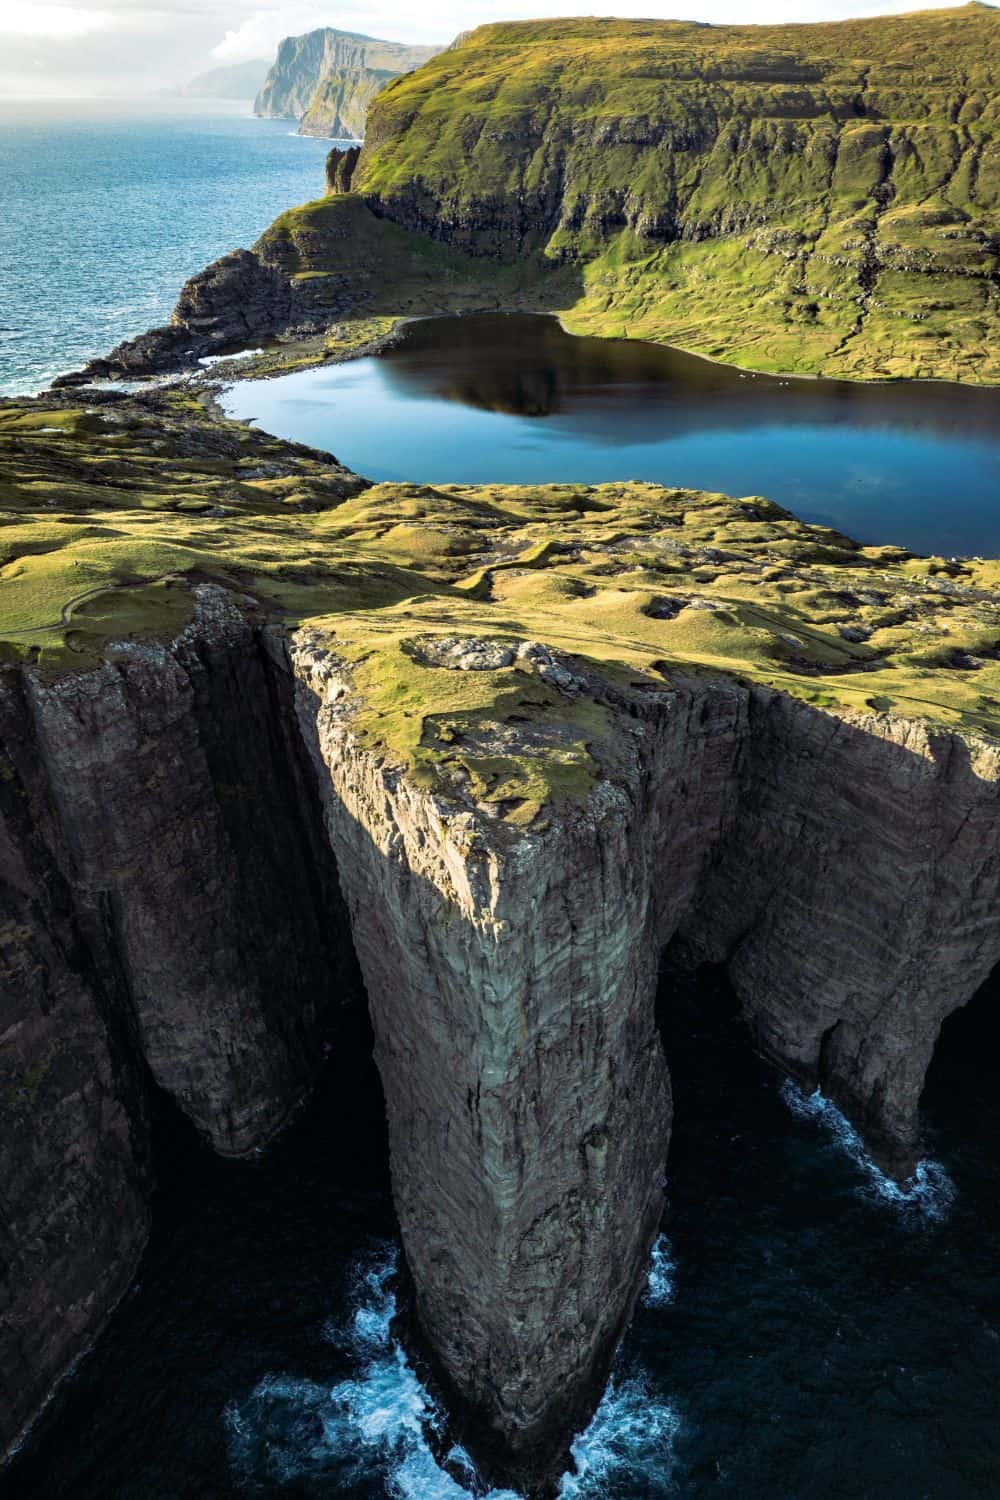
[[514, 399]]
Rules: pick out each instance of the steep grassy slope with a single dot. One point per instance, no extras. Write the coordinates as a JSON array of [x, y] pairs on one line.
[[799, 198], [113, 513], [796, 199], [340, 103]]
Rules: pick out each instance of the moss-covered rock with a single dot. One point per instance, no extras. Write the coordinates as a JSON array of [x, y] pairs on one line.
[[793, 198], [801, 199], [486, 632]]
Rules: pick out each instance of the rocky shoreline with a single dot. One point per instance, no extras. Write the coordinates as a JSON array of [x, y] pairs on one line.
[[270, 733]]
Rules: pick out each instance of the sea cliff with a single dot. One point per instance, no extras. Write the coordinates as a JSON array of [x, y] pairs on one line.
[[502, 746], [814, 199], [327, 78]]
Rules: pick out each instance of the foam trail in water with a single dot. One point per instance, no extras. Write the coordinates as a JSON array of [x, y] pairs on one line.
[[660, 1282], [930, 1190], [375, 1428], [628, 1449]]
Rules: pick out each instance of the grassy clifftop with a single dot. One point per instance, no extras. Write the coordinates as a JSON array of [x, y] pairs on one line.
[[493, 633], [795, 198]]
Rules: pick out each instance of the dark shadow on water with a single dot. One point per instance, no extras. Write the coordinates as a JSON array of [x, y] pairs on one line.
[[819, 1344], [822, 1342], [247, 1262], [495, 398]]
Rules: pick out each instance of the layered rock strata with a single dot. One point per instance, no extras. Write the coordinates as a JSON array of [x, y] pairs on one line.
[[526, 738], [510, 979], [847, 868], [168, 910], [327, 78], [808, 199], [856, 898]]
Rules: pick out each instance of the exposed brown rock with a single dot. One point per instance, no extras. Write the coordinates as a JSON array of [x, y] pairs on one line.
[[340, 167], [167, 903]]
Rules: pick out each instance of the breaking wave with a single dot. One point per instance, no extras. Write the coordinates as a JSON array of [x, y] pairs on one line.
[[374, 1431], [930, 1190], [660, 1282]]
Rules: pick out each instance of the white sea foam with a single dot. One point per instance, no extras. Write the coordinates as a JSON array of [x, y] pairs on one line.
[[660, 1282], [377, 1426], [208, 360], [930, 1190], [628, 1447]]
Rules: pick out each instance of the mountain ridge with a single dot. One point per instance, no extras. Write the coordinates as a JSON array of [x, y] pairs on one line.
[[778, 198]]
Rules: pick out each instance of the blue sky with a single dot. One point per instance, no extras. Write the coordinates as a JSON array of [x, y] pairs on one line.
[[94, 47]]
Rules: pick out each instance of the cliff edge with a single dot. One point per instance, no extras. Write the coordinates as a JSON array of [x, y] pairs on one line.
[[327, 78], [503, 745]]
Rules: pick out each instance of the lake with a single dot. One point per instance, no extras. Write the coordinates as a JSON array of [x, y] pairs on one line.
[[496, 398]]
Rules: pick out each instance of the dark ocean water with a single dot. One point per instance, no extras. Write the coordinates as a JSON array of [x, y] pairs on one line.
[[494, 399], [806, 1334], [106, 208]]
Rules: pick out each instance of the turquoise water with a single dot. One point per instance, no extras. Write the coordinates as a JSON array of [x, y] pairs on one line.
[[107, 208]]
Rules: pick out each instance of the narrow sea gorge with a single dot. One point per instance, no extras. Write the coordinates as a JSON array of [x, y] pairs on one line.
[[513, 399], [798, 1315]]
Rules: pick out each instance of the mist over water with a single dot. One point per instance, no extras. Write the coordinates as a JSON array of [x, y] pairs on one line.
[[803, 1332]]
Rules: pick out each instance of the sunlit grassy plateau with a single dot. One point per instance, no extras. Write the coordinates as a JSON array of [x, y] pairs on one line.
[[803, 199], [807, 199], [113, 513]]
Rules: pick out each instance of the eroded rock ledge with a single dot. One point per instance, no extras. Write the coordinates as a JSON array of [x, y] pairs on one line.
[[507, 744]]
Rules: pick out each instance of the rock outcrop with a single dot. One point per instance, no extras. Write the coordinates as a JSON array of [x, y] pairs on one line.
[[525, 740], [848, 870], [809, 199], [330, 77], [236, 301], [168, 910], [511, 979], [340, 167], [856, 900]]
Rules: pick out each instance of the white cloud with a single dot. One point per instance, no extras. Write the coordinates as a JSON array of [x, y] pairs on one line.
[[133, 46], [260, 33]]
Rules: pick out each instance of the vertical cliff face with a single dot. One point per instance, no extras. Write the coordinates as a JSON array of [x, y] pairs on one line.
[[177, 827], [73, 1167], [856, 899], [511, 977], [847, 867], [304, 63], [168, 906]]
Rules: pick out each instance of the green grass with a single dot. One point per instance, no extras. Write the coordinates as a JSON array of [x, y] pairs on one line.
[[800, 199], [631, 585]]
